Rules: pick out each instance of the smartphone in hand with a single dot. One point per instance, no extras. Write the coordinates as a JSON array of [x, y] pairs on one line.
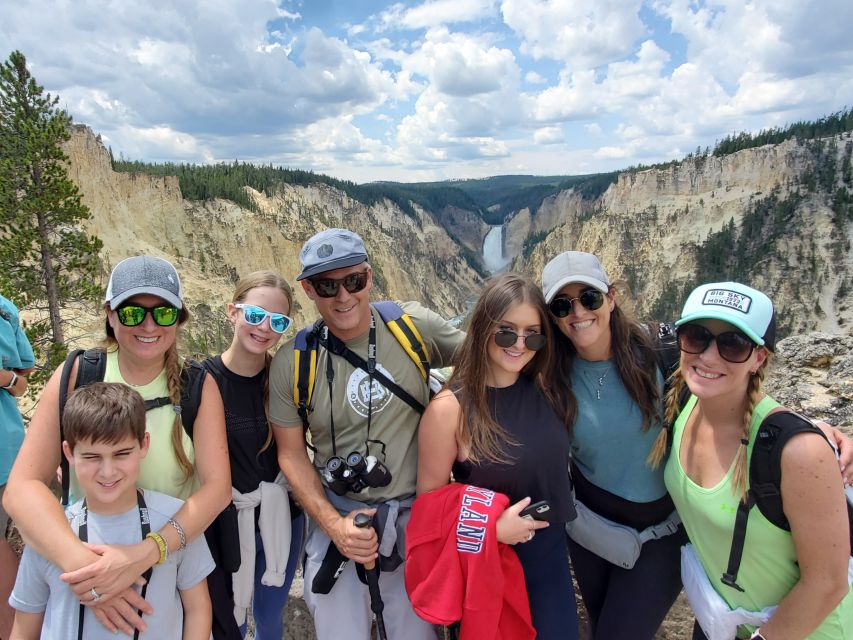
[[537, 511]]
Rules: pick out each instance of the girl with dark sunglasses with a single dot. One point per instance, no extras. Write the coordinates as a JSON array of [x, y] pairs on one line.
[[607, 366], [144, 310], [501, 425], [726, 334], [258, 312]]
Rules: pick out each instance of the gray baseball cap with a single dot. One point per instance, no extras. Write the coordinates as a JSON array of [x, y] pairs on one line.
[[144, 274], [573, 266], [329, 250]]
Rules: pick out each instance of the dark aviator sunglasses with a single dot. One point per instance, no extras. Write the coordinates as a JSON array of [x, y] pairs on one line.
[[733, 346], [329, 287], [591, 299]]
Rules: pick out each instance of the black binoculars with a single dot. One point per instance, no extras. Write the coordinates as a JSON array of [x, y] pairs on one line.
[[353, 474]]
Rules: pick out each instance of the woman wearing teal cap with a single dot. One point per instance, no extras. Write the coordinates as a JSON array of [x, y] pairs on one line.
[[790, 583]]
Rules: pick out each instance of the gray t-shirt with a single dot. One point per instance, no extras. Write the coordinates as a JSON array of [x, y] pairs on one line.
[[392, 420], [38, 587]]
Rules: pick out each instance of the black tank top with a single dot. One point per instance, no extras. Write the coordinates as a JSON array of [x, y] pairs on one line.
[[538, 463]]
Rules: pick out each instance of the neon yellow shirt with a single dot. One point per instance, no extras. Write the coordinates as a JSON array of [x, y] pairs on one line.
[[768, 569], [160, 470]]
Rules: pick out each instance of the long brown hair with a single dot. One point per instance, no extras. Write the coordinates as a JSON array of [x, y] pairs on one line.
[[634, 356], [241, 290], [479, 433], [173, 364]]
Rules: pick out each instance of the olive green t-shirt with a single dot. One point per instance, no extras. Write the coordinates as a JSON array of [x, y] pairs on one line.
[[349, 401]]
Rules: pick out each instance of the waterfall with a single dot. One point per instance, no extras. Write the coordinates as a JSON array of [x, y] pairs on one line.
[[493, 251]]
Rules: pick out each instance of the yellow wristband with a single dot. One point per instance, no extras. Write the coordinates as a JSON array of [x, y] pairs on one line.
[[162, 546]]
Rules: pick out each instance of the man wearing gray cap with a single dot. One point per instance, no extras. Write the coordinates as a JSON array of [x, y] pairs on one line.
[[354, 409]]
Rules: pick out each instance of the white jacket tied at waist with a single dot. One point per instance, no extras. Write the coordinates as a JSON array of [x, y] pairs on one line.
[[274, 524]]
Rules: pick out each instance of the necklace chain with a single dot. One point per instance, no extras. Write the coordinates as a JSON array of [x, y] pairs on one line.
[[601, 379]]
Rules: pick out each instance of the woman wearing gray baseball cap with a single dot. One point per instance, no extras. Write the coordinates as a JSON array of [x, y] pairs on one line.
[[144, 309], [609, 363]]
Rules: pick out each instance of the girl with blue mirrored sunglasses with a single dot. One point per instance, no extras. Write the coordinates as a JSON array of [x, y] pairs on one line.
[[255, 315]]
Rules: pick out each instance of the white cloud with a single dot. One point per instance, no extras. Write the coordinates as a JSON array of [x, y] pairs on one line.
[[434, 13], [531, 77], [548, 135], [582, 34], [434, 88]]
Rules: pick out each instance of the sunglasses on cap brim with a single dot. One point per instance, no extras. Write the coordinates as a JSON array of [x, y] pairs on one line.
[[733, 346]]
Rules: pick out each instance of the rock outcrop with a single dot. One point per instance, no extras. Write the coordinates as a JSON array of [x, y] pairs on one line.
[[214, 242]]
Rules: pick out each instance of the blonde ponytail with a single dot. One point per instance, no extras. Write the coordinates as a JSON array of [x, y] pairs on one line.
[[671, 411], [753, 395], [173, 380]]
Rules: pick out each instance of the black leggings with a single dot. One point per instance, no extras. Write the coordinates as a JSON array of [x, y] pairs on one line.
[[629, 604], [549, 584]]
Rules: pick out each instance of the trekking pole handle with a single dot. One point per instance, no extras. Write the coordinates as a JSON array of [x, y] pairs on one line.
[[363, 521]]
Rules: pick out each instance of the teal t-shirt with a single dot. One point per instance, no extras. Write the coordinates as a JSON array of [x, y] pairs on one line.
[[609, 446], [15, 353]]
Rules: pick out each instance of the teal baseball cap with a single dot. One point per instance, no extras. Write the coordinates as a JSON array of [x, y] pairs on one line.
[[741, 306]]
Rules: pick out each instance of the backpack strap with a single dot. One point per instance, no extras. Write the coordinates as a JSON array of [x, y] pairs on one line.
[[305, 369], [765, 481], [192, 385], [91, 365], [336, 346], [400, 325], [404, 330]]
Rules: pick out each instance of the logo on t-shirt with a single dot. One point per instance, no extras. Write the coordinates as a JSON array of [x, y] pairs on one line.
[[362, 395]]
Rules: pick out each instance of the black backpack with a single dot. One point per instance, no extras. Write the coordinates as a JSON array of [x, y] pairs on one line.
[[765, 482], [91, 365]]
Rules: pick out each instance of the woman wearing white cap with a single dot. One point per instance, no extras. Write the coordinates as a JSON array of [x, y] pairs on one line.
[[144, 309], [726, 334], [609, 363]]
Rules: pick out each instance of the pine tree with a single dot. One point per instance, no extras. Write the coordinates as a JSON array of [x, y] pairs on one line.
[[47, 260]]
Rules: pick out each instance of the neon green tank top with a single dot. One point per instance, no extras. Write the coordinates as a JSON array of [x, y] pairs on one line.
[[769, 568], [160, 470]]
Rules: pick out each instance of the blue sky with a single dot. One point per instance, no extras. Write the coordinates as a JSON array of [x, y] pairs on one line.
[[442, 89]]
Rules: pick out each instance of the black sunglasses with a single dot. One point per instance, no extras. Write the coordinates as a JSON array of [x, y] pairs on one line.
[[732, 346], [328, 287], [505, 338], [132, 315], [591, 299]]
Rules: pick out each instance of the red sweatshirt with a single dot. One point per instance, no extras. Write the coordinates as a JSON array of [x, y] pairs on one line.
[[457, 570]]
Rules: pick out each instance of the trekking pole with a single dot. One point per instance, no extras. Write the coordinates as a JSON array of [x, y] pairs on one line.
[[362, 521]]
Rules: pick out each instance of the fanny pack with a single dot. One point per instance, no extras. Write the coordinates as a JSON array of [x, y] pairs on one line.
[[616, 543], [718, 621]]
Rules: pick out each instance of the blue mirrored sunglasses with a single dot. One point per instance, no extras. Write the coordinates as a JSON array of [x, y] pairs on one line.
[[255, 315]]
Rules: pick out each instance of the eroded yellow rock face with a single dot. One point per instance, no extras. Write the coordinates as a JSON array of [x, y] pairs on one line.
[[645, 229], [214, 242]]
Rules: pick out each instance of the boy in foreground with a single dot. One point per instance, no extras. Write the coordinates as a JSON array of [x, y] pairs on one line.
[[105, 441]]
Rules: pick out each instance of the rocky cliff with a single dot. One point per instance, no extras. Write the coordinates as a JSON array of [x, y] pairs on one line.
[[767, 216], [216, 241]]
